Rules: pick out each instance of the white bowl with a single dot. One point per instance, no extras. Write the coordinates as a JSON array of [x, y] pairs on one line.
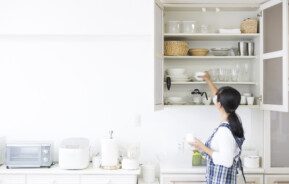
[[176, 71], [180, 79], [175, 99], [199, 75], [207, 101]]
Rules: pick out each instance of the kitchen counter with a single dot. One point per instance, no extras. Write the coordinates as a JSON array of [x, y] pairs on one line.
[[185, 169], [56, 170]]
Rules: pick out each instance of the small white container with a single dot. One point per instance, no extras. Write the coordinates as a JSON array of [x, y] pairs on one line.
[[173, 26], [243, 100], [250, 100], [199, 75], [189, 27], [190, 138], [252, 161]]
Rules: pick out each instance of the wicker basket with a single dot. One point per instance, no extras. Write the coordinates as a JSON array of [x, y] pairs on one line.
[[176, 48], [249, 26]]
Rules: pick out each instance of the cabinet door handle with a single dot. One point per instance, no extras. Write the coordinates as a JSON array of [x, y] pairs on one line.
[[281, 182]]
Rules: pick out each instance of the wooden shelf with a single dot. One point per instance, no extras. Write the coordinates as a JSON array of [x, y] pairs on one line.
[[210, 36], [208, 57], [221, 83]]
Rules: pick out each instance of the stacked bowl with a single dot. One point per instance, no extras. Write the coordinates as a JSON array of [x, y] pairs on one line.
[[178, 75]]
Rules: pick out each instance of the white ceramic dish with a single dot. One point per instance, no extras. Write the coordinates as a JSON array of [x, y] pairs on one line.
[[220, 51], [198, 76], [175, 101], [180, 79], [176, 71]]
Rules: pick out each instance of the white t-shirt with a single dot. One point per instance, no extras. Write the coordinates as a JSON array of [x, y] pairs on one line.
[[224, 147]]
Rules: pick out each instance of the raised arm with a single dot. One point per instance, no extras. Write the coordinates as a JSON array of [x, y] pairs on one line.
[[212, 86]]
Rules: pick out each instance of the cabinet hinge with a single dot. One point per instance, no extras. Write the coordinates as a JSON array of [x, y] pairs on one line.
[[260, 14]]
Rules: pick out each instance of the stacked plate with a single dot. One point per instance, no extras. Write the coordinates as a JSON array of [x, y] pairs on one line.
[[178, 75], [175, 101]]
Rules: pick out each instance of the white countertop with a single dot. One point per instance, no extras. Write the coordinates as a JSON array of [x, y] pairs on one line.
[[187, 169], [56, 170]]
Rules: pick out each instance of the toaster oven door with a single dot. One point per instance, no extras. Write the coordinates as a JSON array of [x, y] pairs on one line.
[[23, 156]]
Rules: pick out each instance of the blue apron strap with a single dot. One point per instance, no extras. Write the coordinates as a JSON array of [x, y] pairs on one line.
[[239, 142]]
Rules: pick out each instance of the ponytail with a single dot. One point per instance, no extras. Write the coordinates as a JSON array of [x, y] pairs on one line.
[[230, 99], [236, 125]]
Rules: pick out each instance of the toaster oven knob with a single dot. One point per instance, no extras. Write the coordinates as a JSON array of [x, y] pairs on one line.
[[45, 159], [45, 151]]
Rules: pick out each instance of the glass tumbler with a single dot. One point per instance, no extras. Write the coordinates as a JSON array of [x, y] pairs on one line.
[[222, 74], [235, 75]]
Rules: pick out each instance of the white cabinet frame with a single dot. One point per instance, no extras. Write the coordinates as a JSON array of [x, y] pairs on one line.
[[158, 58], [281, 53]]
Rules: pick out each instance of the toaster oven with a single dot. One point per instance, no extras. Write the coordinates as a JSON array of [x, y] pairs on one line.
[[28, 155]]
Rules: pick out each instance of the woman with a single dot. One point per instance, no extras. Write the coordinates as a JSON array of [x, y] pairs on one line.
[[224, 146]]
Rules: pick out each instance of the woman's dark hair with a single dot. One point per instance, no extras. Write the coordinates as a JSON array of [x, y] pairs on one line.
[[230, 98]]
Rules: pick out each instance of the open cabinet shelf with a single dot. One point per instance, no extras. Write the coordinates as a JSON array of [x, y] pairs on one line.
[[221, 83], [209, 57], [210, 36]]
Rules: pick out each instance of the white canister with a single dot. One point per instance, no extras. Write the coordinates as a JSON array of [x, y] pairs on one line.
[[250, 100], [148, 171], [252, 161], [109, 152], [243, 100]]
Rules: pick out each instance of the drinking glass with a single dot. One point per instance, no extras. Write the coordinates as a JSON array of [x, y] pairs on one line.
[[222, 74], [228, 74], [235, 75], [214, 74]]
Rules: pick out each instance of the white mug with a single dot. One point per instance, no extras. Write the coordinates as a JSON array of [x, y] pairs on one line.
[[243, 100], [250, 100], [190, 138]]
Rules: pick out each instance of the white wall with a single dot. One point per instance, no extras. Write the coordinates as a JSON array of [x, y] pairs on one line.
[[60, 78]]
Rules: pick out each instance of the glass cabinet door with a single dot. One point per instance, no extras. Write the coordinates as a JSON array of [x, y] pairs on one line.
[[274, 55], [276, 137]]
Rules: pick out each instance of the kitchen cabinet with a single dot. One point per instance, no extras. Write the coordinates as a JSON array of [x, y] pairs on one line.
[[250, 179], [108, 179], [182, 179], [277, 179], [200, 178], [12, 179], [266, 70], [53, 179]]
